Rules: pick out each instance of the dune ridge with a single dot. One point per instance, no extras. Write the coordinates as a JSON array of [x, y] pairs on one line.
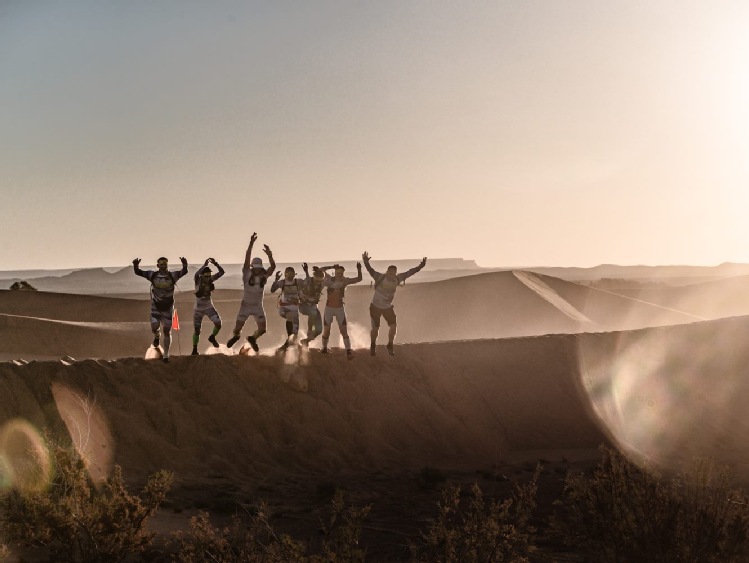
[[667, 394], [445, 404]]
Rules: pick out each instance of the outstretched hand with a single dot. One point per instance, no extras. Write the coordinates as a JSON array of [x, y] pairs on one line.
[[365, 256], [253, 238], [424, 262], [267, 250], [136, 262], [305, 267], [183, 260], [358, 266], [278, 276]]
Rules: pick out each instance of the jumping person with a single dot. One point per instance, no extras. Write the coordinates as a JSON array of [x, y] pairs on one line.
[[163, 283], [254, 277], [309, 297], [204, 279], [334, 306], [288, 303], [382, 300]]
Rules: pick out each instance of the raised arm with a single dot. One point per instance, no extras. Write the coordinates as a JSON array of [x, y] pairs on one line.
[[358, 277], [199, 273], [183, 271], [137, 270], [408, 273], [375, 275], [219, 272], [277, 284], [248, 254], [269, 253]]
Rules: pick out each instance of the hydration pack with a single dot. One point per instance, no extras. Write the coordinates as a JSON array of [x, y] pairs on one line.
[[163, 303]]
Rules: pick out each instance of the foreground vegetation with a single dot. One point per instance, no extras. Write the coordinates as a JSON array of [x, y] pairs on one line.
[[620, 511]]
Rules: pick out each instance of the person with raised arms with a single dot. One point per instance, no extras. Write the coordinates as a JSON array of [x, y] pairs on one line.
[[163, 283], [288, 303], [382, 300], [309, 298], [254, 278], [204, 286], [335, 307]]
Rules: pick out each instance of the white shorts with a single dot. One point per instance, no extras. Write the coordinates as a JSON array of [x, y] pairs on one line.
[[246, 311], [338, 313], [204, 310]]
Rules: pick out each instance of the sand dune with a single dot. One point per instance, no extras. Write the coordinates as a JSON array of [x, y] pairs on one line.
[[71, 307], [714, 299], [666, 393], [492, 305], [611, 311], [458, 404], [35, 338]]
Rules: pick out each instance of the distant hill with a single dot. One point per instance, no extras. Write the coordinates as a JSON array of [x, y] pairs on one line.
[[676, 274], [99, 281]]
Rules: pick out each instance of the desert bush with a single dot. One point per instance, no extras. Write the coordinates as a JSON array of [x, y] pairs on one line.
[[75, 521], [251, 538], [22, 286], [480, 530], [627, 512], [342, 532], [248, 539]]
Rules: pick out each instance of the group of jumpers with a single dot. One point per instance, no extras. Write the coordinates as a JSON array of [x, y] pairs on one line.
[[297, 296]]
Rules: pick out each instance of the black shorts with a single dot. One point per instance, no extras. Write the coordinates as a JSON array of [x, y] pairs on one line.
[[375, 313]]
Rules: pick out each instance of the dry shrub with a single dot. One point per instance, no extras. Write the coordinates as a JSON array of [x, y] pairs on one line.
[[342, 532], [251, 538], [74, 521], [624, 512], [479, 530]]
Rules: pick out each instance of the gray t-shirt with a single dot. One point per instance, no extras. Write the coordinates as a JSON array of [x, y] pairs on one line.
[[385, 286]]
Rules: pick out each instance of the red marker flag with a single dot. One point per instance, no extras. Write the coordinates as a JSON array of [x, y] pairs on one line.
[[175, 320]]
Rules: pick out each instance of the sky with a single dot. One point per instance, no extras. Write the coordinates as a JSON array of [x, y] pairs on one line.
[[513, 133]]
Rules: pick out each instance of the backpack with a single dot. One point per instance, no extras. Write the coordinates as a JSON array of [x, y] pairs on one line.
[[167, 303]]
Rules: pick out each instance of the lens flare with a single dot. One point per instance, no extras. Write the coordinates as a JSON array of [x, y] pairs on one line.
[[88, 428], [672, 394], [26, 462]]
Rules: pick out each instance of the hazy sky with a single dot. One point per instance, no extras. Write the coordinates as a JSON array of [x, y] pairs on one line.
[[513, 133]]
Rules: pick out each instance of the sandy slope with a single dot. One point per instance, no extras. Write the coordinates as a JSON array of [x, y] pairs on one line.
[[35, 338], [457, 404], [667, 393], [714, 299]]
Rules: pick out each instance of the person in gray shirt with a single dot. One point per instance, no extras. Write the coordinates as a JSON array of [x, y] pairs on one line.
[[382, 300], [254, 277]]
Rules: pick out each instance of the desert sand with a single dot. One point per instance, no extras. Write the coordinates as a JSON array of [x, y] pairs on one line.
[[492, 372]]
